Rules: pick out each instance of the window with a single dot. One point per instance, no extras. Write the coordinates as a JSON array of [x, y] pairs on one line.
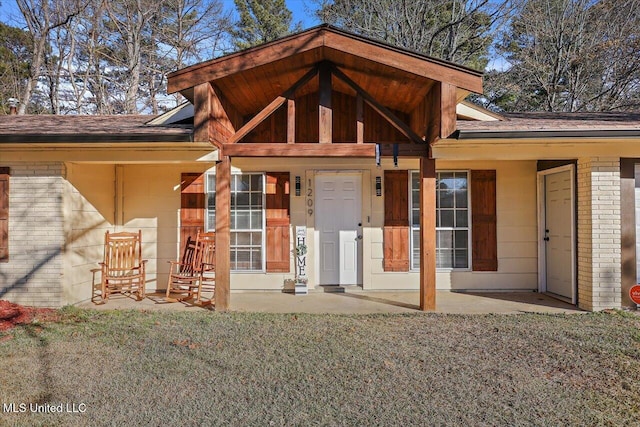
[[452, 220], [247, 219]]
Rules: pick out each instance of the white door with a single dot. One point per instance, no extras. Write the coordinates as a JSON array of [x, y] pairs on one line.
[[558, 234], [339, 223]]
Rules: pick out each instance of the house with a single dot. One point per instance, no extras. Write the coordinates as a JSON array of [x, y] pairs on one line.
[[367, 150]]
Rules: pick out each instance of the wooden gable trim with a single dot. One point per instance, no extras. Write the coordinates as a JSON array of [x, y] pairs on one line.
[[241, 61], [272, 107], [337, 41], [404, 60]]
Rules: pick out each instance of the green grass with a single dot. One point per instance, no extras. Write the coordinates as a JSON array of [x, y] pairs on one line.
[[152, 368]]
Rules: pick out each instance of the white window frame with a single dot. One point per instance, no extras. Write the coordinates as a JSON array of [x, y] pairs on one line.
[[413, 227], [262, 230]]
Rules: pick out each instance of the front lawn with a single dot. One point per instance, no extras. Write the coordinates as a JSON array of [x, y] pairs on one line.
[[150, 368]]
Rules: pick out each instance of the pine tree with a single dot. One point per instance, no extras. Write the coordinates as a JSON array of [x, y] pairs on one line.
[[261, 21]]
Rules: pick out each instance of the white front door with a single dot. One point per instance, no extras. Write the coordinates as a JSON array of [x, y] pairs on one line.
[[558, 233], [339, 223]]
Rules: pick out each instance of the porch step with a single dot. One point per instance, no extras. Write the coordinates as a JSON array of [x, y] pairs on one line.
[[333, 289]]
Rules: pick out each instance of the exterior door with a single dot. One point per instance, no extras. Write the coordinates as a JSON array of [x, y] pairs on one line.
[[339, 224], [558, 233]]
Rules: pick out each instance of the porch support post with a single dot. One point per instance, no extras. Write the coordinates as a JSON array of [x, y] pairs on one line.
[[427, 234], [599, 233], [223, 234]]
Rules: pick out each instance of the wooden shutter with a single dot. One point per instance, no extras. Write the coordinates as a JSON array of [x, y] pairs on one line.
[[396, 220], [484, 247], [4, 214], [277, 216], [192, 207]]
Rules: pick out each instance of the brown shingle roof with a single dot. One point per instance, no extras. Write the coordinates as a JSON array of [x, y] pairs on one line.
[[58, 128], [544, 121]]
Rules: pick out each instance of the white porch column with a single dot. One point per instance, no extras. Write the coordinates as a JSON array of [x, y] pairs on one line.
[[599, 233]]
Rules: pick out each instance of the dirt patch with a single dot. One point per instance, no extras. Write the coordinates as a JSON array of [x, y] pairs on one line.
[[15, 314]]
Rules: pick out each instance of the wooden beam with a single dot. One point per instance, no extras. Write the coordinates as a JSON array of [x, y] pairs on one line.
[[417, 64], [325, 112], [405, 150], [359, 119], [223, 234], [427, 234], [221, 126], [379, 108], [201, 112], [245, 60], [273, 106], [278, 149], [448, 102], [291, 121]]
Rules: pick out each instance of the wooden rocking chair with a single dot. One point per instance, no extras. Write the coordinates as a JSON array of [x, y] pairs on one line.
[[123, 269], [194, 272], [184, 274], [207, 283]]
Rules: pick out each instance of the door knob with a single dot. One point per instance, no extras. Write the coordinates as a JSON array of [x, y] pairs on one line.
[[359, 237]]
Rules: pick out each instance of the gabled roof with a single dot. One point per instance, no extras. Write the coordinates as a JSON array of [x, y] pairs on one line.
[[398, 78]]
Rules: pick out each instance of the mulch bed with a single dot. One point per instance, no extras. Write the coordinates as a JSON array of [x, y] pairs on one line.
[[14, 314]]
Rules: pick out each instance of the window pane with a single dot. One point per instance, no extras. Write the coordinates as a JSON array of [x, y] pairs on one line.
[[462, 219], [462, 259], [243, 218], [416, 248], [256, 259], [461, 239], [444, 239], [256, 219], [243, 182], [241, 200], [446, 218], [446, 199], [256, 183], [242, 238], [256, 200], [461, 198], [444, 258]]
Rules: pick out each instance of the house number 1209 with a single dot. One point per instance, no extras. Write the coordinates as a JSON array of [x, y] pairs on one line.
[[309, 198]]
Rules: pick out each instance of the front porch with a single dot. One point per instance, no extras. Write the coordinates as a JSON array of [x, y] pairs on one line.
[[356, 301]]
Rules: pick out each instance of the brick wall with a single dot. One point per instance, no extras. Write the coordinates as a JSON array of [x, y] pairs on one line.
[[34, 272], [599, 233]]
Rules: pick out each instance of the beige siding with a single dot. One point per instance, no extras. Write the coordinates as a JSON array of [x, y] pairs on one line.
[[517, 230], [33, 274], [89, 213]]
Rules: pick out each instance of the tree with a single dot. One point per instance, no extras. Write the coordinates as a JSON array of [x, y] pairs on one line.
[[15, 56], [569, 55], [261, 21], [455, 30], [41, 18]]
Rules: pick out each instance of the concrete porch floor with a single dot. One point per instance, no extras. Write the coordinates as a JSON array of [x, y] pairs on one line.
[[356, 301]]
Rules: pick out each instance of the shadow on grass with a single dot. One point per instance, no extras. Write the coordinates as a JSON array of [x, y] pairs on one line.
[[44, 357]]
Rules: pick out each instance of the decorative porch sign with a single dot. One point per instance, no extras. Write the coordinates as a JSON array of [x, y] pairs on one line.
[[634, 294], [301, 260]]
